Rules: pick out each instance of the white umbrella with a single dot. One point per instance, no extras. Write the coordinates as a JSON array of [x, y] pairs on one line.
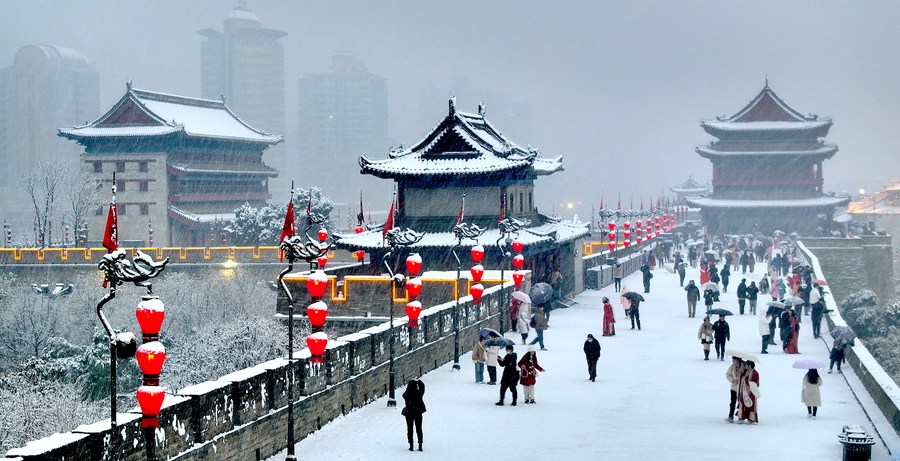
[[710, 252], [521, 297], [742, 355]]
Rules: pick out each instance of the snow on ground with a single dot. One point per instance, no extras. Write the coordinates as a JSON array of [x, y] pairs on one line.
[[654, 398]]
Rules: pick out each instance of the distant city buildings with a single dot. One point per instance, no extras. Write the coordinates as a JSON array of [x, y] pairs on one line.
[[244, 63], [46, 87], [343, 113]]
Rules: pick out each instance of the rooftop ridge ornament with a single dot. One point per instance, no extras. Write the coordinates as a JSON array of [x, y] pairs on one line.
[[117, 269], [452, 104], [467, 231], [402, 237], [511, 225], [296, 248]]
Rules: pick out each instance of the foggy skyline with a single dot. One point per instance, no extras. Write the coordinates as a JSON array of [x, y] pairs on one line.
[[606, 83]]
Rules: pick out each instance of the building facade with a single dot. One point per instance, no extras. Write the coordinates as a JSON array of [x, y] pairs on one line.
[[46, 87], [341, 113], [182, 164], [767, 170], [244, 64]]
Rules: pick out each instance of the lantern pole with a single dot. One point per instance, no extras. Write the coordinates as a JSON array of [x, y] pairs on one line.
[[461, 231], [507, 226], [394, 238]]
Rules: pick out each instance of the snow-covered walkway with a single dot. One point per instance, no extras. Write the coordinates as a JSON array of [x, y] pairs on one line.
[[655, 397]]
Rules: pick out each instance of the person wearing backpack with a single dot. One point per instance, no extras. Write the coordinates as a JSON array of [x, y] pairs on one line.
[[540, 324]]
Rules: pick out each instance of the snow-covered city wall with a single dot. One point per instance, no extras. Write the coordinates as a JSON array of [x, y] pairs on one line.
[[243, 415]]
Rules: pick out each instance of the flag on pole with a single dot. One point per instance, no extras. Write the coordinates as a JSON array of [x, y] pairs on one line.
[[360, 217], [462, 211], [111, 232], [389, 223], [502, 206], [287, 230]]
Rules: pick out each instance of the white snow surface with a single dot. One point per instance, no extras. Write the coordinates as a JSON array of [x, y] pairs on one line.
[[654, 398]]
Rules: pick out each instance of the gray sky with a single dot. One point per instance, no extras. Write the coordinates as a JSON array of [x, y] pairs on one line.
[[607, 82]]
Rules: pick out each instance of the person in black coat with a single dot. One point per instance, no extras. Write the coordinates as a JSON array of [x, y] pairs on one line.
[[413, 396], [725, 273], [510, 377], [693, 295], [708, 298], [679, 267], [592, 354], [721, 334], [752, 295], [645, 269], [742, 295]]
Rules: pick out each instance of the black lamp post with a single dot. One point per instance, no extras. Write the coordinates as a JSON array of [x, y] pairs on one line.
[[507, 227], [295, 248], [461, 231], [395, 238], [118, 270]]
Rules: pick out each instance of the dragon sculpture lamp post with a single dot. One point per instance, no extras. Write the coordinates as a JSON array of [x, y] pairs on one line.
[[508, 227], [461, 231], [395, 238], [117, 269], [310, 250]]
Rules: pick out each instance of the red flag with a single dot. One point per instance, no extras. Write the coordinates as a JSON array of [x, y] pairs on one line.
[[462, 211], [502, 206], [287, 230], [389, 224], [111, 234]]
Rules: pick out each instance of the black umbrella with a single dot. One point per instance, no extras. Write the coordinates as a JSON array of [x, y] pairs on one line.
[[719, 312], [541, 294], [633, 296], [500, 342], [485, 332]]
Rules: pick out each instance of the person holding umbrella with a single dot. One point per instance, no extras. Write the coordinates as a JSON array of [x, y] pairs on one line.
[[490, 359], [705, 335], [747, 394], [592, 354], [609, 320], [528, 369], [708, 298], [721, 334], [733, 376], [510, 377], [809, 393], [693, 295]]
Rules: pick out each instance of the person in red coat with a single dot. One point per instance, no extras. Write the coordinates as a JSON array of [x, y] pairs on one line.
[[794, 326], [747, 394], [528, 369], [609, 320], [704, 273]]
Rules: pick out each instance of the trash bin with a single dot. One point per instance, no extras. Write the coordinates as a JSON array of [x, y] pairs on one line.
[[857, 443]]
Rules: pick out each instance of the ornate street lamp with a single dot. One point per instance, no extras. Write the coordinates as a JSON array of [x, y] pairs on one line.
[[508, 227], [295, 248], [461, 231], [395, 238]]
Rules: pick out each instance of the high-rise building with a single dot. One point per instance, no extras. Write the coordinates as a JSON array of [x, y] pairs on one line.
[[244, 64], [46, 87], [343, 113]]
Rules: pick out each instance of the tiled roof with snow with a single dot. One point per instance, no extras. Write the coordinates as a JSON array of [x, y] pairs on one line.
[[814, 202], [825, 150], [184, 167], [461, 144], [200, 218], [160, 114], [766, 112]]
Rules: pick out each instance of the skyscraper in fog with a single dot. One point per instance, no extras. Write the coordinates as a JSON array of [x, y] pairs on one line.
[[343, 113], [244, 63], [46, 87]]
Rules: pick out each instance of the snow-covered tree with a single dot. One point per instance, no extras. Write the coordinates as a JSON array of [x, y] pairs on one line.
[[262, 226], [44, 185]]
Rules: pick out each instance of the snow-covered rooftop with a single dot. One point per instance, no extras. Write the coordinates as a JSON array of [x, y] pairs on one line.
[[767, 112], [826, 150], [201, 217], [823, 201]]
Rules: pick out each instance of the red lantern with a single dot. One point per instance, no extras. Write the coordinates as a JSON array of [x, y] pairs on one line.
[[413, 287], [638, 223], [316, 283], [413, 309], [150, 313], [150, 398], [477, 253], [476, 292], [414, 263], [518, 246], [322, 261], [150, 357], [612, 225], [317, 312], [323, 234], [627, 234], [639, 231], [359, 229], [477, 271], [612, 236], [518, 261], [627, 225], [638, 239], [612, 245], [648, 222], [627, 243], [360, 255], [316, 343], [672, 217], [656, 219], [518, 277]]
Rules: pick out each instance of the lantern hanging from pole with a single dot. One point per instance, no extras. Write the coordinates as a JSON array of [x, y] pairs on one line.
[[518, 246], [476, 291], [322, 234], [359, 229], [414, 263], [413, 287], [638, 239], [316, 283], [626, 242], [413, 309], [638, 223], [317, 312], [477, 272], [612, 225], [612, 236], [150, 357], [627, 225], [360, 255], [518, 277], [150, 398], [150, 314], [316, 343], [518, 261], [627, 234], [612, 245], [477, 253], [648, 222], [322, 261]]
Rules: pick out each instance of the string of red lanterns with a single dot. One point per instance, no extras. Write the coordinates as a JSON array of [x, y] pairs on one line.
[[151, 356], [477, 272], [413, 289], [317, 312]]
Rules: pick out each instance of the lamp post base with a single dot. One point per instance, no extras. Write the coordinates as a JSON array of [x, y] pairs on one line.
[[392, 403], [456, 366]]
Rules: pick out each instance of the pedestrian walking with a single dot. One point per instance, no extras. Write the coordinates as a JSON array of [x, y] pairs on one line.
[[490, 360], [745, 261], [592, 354], [794, 326], [528, 370], [837, 357], [818, 309], [742, 295], [510, 378], [748, 393], [478, 358], [704, 272], [708, 299], [647, 275], [618, 273], [721, 334], [764, 332], [693, 295], [540, 324], [725, 275], [810, 394], [635, 314], [764, 285], [609, 320], [413, 409], [733, 376], [522, 326], [752, 295], [705, 335], [680, 267]]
